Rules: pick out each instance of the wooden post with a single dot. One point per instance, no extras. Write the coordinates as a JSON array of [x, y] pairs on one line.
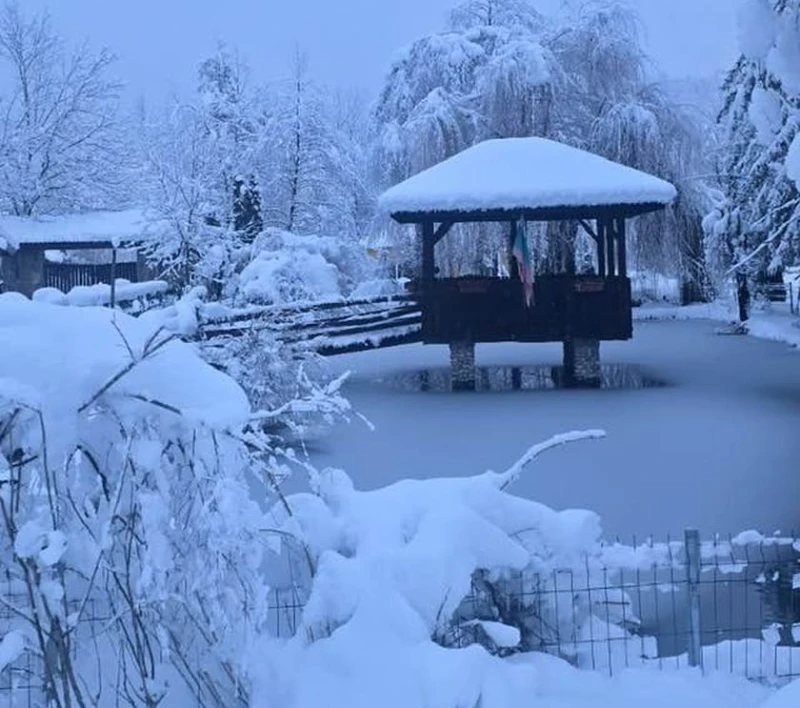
[[601, 248], [611, 255], [622, 246], [113, 278], [428, 254]]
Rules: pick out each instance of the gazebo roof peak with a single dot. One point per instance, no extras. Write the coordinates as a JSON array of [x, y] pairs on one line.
[[533, 177]]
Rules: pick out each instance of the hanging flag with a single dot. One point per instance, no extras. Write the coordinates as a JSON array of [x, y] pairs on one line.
[[522, 255]]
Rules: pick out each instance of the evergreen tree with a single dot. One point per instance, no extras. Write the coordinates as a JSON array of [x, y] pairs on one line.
[[754, 228]]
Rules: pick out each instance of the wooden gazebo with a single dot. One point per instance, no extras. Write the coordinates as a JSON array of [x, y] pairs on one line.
[[527, 180]]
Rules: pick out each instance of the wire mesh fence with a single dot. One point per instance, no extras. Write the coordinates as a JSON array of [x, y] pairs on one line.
[[22, 683], [724, 605]]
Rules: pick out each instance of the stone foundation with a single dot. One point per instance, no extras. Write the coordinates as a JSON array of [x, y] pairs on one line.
[[462, 366], [582, 363]]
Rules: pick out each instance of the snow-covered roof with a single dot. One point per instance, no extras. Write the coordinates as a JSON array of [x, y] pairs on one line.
[[98, 227], [524, 174]]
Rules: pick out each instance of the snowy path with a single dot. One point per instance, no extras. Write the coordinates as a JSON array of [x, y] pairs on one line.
[[719, 449]]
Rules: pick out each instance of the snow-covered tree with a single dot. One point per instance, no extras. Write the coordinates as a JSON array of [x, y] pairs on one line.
[[59, 126], [612, 106], [188, 199], [582, 77], [312, 174], [228, 103], [755, 225], [503, 13], [447, 91]]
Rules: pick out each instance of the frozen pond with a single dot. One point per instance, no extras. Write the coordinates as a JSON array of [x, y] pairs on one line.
[[717, 448]]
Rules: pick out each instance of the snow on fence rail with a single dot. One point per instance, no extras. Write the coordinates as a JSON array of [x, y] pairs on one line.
[[124, 293], [329, 327], [745, 591]]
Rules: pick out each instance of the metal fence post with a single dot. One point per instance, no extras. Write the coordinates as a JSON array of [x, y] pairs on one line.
[[692, 545]]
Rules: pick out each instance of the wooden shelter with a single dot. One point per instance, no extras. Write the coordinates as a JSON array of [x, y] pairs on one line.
[[515, 181], [32, 250]]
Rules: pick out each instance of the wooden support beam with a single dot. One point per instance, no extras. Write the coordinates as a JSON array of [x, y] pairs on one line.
[[611, 260], [428, 257], [587, 227], [441, 231], [540, 214], [622, 253], [601, 247]]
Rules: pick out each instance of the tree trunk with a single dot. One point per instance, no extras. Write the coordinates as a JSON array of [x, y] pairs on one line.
[[743, 297]]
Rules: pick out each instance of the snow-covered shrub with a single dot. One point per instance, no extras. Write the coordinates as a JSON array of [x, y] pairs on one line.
[[286, 268], [126, 467], [391, 569], [287, 383]]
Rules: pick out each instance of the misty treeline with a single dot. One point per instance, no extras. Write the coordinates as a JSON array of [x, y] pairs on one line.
[[236, 157]]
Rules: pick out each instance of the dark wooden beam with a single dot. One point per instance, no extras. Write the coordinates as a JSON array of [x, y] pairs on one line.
[[441, 231], [428, 257], [587, 227], [607, 211], [622, 254], [601, 247]]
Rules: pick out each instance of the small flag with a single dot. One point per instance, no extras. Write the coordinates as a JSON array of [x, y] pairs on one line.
[[522, 255]]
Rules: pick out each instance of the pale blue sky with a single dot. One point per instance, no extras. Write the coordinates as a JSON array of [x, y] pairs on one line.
[[350, 42]]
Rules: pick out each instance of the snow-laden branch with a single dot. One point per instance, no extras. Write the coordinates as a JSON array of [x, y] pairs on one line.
[[512, 474]]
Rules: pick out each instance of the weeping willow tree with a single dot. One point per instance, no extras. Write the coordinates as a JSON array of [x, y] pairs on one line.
[[612, 108], [503, 70], [488, 76]]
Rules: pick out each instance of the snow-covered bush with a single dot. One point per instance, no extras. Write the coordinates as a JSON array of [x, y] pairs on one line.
[[287, 383], [126, 468], [391, 569], [286, 268]]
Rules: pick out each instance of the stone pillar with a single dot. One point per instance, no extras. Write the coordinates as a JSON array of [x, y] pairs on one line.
[[582, 363], [462, 366]]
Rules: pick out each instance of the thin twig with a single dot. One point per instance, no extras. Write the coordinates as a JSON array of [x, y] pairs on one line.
[[513, 473]]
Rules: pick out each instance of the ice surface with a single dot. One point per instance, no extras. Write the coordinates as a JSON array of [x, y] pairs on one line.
[[689, 454], [517, 173]]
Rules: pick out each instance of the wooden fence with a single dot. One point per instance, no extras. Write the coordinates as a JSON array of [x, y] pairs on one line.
[[66, 276]]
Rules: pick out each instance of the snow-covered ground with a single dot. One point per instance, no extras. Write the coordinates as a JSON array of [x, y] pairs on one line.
[[714, 449], [774, 322]]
